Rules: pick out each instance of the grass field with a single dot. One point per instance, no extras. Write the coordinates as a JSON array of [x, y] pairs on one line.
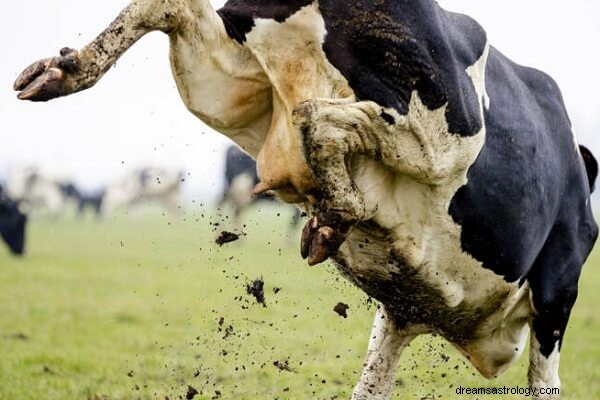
[[131, 308]]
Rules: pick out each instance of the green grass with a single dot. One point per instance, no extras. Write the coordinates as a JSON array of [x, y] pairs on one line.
[[129, 309]]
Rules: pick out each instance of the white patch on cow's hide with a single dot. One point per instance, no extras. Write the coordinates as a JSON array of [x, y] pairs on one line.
[[503, 336], [291, 54], [477, 74], [575, 141]]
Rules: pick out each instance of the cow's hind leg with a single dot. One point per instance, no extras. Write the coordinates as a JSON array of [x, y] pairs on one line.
[[385, 345], [553, 281], [73, 71]]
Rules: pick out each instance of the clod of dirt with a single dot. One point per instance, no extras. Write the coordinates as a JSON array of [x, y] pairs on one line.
[[283, 365], [228, 332], [48, 370], [19, 336], [341, 309], [226, 237], [191, 393], [256, 288]]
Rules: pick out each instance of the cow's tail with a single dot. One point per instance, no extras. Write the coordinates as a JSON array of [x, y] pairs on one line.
[[591, 165]]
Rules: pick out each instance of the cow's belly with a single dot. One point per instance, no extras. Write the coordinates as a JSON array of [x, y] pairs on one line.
[[409, 257]]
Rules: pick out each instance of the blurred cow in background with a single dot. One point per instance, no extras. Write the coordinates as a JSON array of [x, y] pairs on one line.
[[35, 190], [12, 224], [241, 177], [157, 185], [84, 200]]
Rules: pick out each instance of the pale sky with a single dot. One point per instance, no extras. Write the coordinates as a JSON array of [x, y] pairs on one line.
[[134, 116]]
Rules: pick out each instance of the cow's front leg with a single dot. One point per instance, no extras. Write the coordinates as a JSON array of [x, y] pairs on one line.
[[73, 70], [385, 345], [332, 132], [543, 371], [338, 205]]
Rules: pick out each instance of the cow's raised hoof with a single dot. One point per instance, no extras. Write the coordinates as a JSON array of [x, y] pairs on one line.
[[322, 237], [48, 78]]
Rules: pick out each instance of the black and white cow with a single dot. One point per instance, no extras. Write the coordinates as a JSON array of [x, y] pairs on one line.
[[84, 200], [442, 178], [12, 224], [148, 184], [241, 177], [36, 190]]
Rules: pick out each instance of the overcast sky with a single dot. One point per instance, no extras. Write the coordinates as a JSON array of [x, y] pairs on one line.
[[134, 115]]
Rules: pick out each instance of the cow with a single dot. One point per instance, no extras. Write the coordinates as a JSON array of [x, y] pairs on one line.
[[240, 179], [142, 185], [84, 200], [12, 224], [442, 178], [35, 190]]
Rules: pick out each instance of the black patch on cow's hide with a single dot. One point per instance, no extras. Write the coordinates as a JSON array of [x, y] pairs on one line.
[[388, 118], [525, 212], [239, 15], [527, 175], [388, 49], [382, 57]]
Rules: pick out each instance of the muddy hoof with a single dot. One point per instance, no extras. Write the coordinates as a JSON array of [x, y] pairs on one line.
[[48, 78], [319, 242]]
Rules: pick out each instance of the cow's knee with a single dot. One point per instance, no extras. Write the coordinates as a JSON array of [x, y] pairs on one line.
[[326, 146], [320, 139]]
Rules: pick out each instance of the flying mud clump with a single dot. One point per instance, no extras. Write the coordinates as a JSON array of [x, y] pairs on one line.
[[256, 288], [227, 237], [341, 309], [191, 393]]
